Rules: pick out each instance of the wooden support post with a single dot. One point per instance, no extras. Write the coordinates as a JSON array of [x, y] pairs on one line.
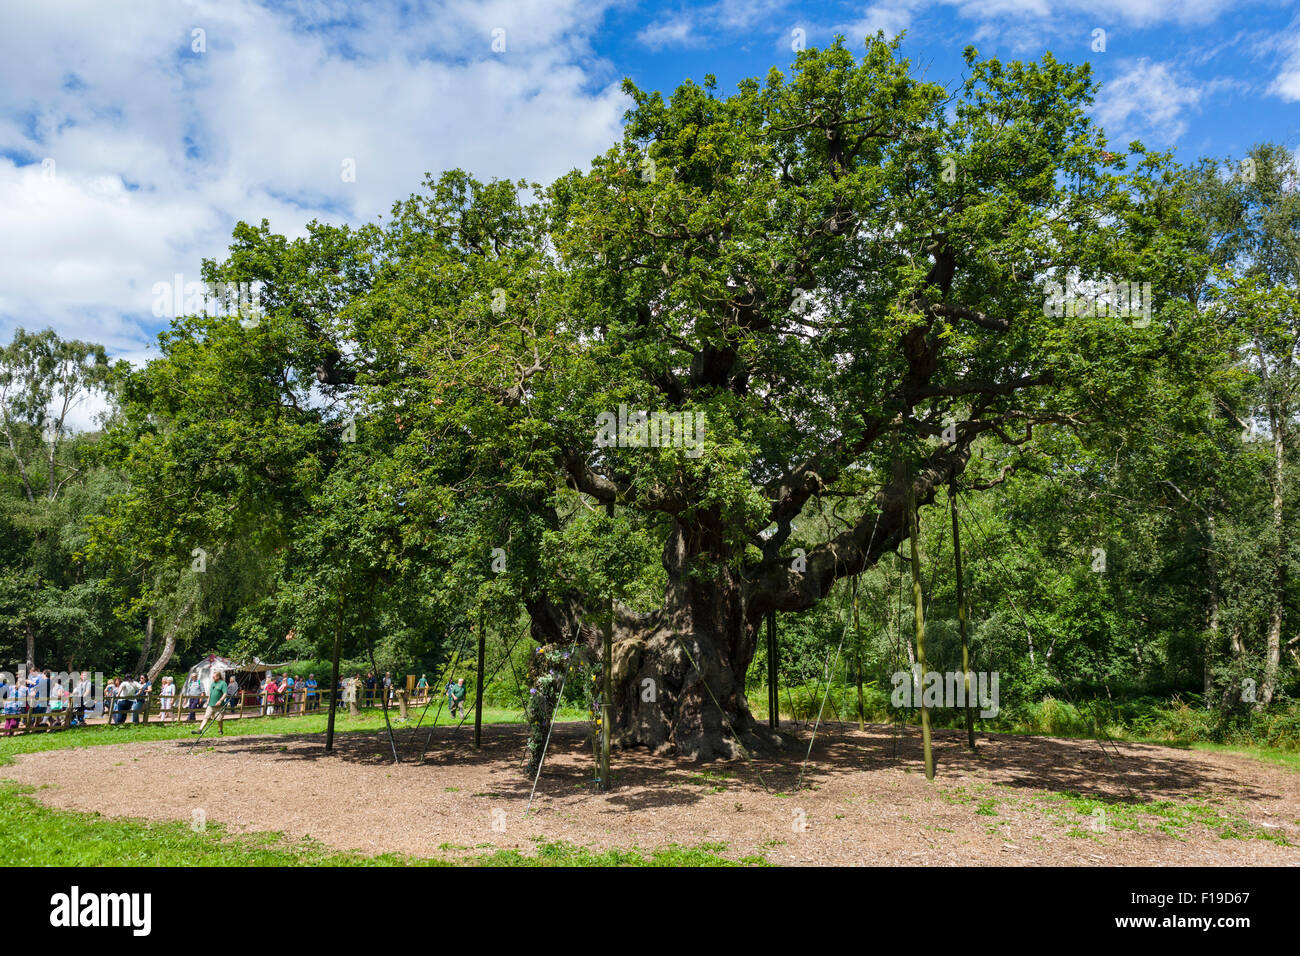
[[857, 640], [918, 600], [478, 685], [773, 692], [606, 707], [962, 614], [334, 679], [607, 688]]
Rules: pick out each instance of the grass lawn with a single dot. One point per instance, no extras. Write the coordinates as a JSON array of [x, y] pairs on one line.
[[1283, 758]]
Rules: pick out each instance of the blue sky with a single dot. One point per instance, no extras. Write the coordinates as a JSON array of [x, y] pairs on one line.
[[131, 143]]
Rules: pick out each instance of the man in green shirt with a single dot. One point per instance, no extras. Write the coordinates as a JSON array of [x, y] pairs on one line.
[[458, 697], [215, 697]]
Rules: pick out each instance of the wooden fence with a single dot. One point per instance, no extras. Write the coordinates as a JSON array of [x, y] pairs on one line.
[[184, 709]]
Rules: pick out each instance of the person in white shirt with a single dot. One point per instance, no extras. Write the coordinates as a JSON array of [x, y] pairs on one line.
[[126, 692], [166, 697], [82, 697]]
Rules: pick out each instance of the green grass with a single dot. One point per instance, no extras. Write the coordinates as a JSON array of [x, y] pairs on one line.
[[1175, 818], [41, 836], [1077, 813], [370, 720], [1283, 758]]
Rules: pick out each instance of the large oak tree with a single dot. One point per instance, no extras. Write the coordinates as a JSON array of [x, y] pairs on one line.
[[841, 269]]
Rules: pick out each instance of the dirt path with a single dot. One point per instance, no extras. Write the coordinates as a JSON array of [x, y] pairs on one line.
[[861, 804]]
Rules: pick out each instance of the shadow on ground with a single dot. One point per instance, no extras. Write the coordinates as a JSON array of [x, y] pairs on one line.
[[1124, 772]]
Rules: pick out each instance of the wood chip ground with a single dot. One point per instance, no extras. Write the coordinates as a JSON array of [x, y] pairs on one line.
[[865, 800]]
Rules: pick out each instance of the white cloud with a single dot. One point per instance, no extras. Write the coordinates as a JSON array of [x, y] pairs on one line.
[[158, 150], [694, 26], [1287, 83], [1138, 13], [892, 16], [1025, 24], [676, 31], [1146, 99]]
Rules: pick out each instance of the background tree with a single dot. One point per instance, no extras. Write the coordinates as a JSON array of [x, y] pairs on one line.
[[43, 379]]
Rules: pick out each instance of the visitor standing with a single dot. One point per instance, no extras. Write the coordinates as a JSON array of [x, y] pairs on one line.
[[166, 697], [216, 696], [193, 694], [232, 691], [141, 699], [38, 698], [122, 702], [370, 684], [15, 701], [82, 697], [269, 690]]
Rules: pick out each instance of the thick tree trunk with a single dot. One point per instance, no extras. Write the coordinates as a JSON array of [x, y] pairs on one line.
[[679, 675], [31, 646], [683, 692], [679, 672]]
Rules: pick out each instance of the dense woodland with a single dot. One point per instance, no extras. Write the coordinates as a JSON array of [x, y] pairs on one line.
[[843, 268]]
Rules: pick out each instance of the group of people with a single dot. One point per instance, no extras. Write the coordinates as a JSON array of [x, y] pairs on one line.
[[371, 691], [40, 699], [286, 695]]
